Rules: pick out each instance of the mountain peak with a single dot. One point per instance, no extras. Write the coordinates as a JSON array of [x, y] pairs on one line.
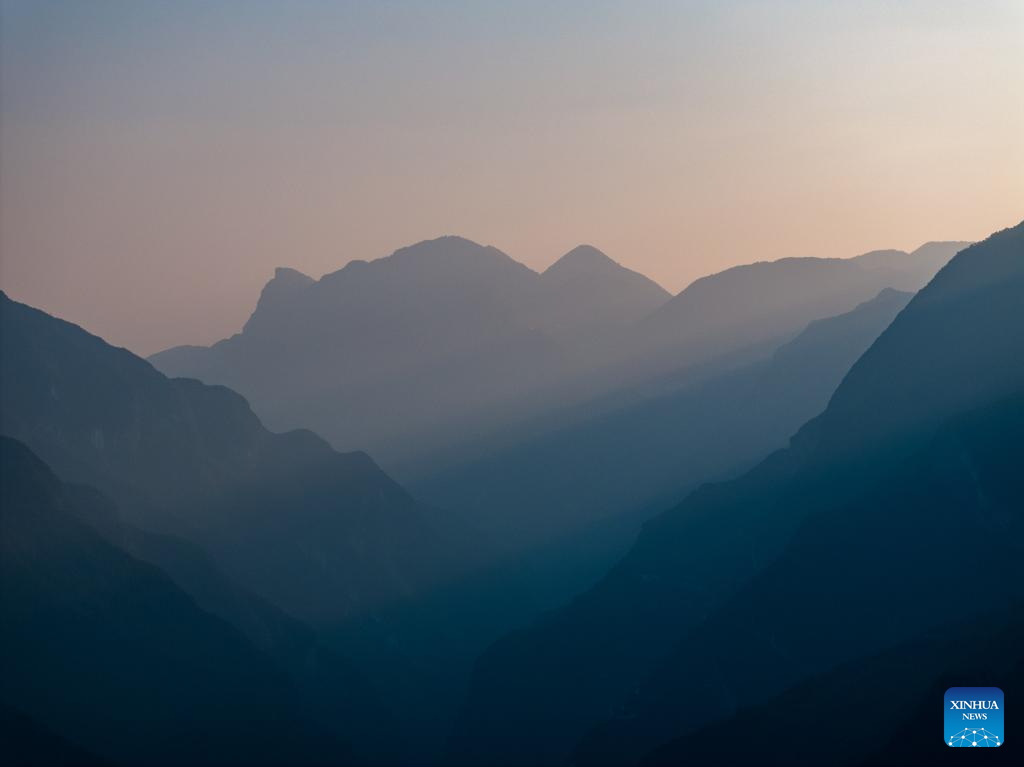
[[881, 258], [283, 286], [441, 255], [582, 257], [587, 263], [287, 274], [446, 247], [960, 244], [938, 251], [585, 289], [284, 282]]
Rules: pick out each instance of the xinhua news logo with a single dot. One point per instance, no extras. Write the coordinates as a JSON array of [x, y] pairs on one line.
[[973, 717]]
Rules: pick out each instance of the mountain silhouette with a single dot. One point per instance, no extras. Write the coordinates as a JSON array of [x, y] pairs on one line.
[[585, 292], [330, 689], [323, 535], [821, 590], [590, 400], [749, 305], [399, 354], [833, 549], [428, 357], [107, 654], [637, 456]]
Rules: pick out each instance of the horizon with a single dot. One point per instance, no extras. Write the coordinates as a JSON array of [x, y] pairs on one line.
[[536, 270], [159, 161]]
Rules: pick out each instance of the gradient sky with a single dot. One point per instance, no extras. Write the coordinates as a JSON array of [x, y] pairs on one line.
[[159, 159]]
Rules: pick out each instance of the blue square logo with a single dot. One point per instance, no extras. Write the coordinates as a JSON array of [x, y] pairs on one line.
[[973, 717]]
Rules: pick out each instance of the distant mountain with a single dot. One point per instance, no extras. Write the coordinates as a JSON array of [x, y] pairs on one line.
[[324, 536], [585, 292], [402, 354], [752, 304], [834, 549], [919, 265], [649, 452], [102, 654], [447, 350]]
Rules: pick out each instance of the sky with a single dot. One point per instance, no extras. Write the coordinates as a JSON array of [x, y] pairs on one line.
[[159, 159]]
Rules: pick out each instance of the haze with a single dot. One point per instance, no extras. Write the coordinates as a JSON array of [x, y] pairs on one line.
[[158, 160]]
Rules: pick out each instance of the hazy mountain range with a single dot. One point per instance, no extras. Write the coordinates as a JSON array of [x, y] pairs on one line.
[[850, 542], [107, 651], [235, 595], [323, 535], [389, 354], [445, 349], [637, 458]]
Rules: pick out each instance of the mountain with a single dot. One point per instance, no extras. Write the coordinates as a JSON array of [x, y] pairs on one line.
[[331, 691], [919, 265], [102, 654], [585, 293], [400, 355], [637, 456], [26, 742], [841, 589], [448, 349], [322, 535], [719, 324], [875, 710], [833, 549], [748, 305]]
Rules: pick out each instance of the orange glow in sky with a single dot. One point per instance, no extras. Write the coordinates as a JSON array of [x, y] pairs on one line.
[[158, 160]]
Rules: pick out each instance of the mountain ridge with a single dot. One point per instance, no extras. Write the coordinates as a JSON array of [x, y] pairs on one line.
[[606, 668], [386, 355], [416, 355], [732, 419], [186, 459]]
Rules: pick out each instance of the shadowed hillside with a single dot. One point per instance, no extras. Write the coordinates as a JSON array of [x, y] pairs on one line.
[[321, 534], [875, 710], [713, 600], [647, 453], [107, 653]]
